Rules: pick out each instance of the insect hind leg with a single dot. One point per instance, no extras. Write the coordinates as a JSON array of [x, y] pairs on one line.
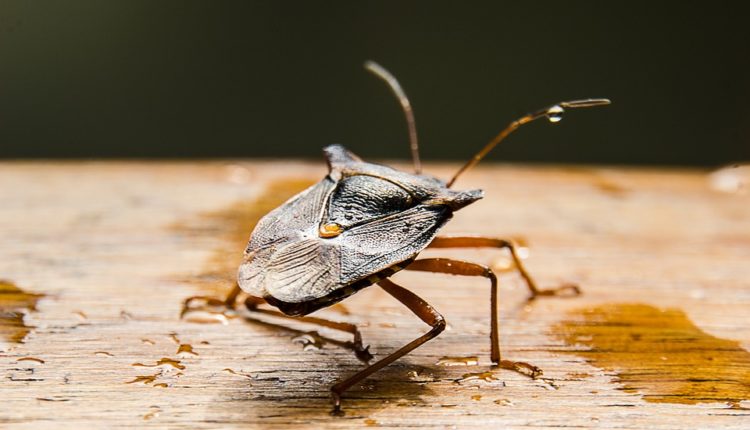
[[465, 268], [565, 290], [422, 309]]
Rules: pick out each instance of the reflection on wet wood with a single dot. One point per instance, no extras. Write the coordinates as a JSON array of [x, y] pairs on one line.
[[15, 303], [232, 225], [117, 247], [660, 353]]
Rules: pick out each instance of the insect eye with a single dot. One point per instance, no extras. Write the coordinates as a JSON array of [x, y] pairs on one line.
[[361, 198]]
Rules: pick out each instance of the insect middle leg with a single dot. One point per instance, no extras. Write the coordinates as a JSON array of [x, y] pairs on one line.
[[458, 267], [489, 242], [252, 304], [362, 352], [422, 309]]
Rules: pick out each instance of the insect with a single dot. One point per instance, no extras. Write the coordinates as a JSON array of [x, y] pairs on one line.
[[362, 223]]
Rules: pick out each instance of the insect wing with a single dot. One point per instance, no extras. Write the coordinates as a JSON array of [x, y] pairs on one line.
[[377, 245]]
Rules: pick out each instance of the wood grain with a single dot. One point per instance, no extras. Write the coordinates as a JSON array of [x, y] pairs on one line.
[[99, 241]]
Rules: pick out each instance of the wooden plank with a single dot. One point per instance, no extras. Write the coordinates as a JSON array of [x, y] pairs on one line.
[[116, 247]]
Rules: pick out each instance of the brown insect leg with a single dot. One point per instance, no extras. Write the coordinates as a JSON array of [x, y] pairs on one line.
[[203, 301], [458, 267], [420, 308], [489, 242], [252, 303], [362, 352]]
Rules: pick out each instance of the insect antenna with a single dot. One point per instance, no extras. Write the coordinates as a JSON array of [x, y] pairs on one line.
[[385, 75], [553, 113]]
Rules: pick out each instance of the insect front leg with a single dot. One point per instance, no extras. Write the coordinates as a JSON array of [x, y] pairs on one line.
[[464, 268], [489, 242], [422, 309]]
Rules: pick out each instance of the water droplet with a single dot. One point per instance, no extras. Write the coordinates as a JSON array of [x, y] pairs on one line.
[[238, 174], [205, 317], [418, 376], [549, 384], [233, 372], [733, 179], [15, 304], [310, 341], [206, 310], [155, 411], [458, 361], [169, 361], [503, 264], [186, 348], [146, 379], [555, 113], [483, 376]]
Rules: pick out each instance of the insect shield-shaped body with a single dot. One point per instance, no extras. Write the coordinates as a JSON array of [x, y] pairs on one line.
[[360, 224], [364, 222]]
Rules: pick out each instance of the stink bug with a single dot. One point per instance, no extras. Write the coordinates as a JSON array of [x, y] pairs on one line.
[[364, 222]]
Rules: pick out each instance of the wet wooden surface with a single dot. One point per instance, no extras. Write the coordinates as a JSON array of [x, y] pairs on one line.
[[107, 252]]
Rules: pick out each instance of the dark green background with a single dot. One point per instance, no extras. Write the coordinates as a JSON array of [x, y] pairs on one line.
[[267, 79]]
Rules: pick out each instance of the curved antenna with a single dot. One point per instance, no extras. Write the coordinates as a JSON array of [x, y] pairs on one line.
[[553, 113], [389, 79]]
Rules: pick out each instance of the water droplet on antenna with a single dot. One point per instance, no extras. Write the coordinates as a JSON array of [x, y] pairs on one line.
[[555, 113]]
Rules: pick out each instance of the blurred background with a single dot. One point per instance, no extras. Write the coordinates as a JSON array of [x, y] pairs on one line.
[[177, 79]]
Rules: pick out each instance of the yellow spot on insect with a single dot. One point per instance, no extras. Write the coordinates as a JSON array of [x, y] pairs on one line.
[[330, 230]]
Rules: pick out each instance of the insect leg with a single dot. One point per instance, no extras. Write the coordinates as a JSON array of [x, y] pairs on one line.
[[420, 308], [489, 242], [458, 267], [202, 303], [206, 301], [362, 352]]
